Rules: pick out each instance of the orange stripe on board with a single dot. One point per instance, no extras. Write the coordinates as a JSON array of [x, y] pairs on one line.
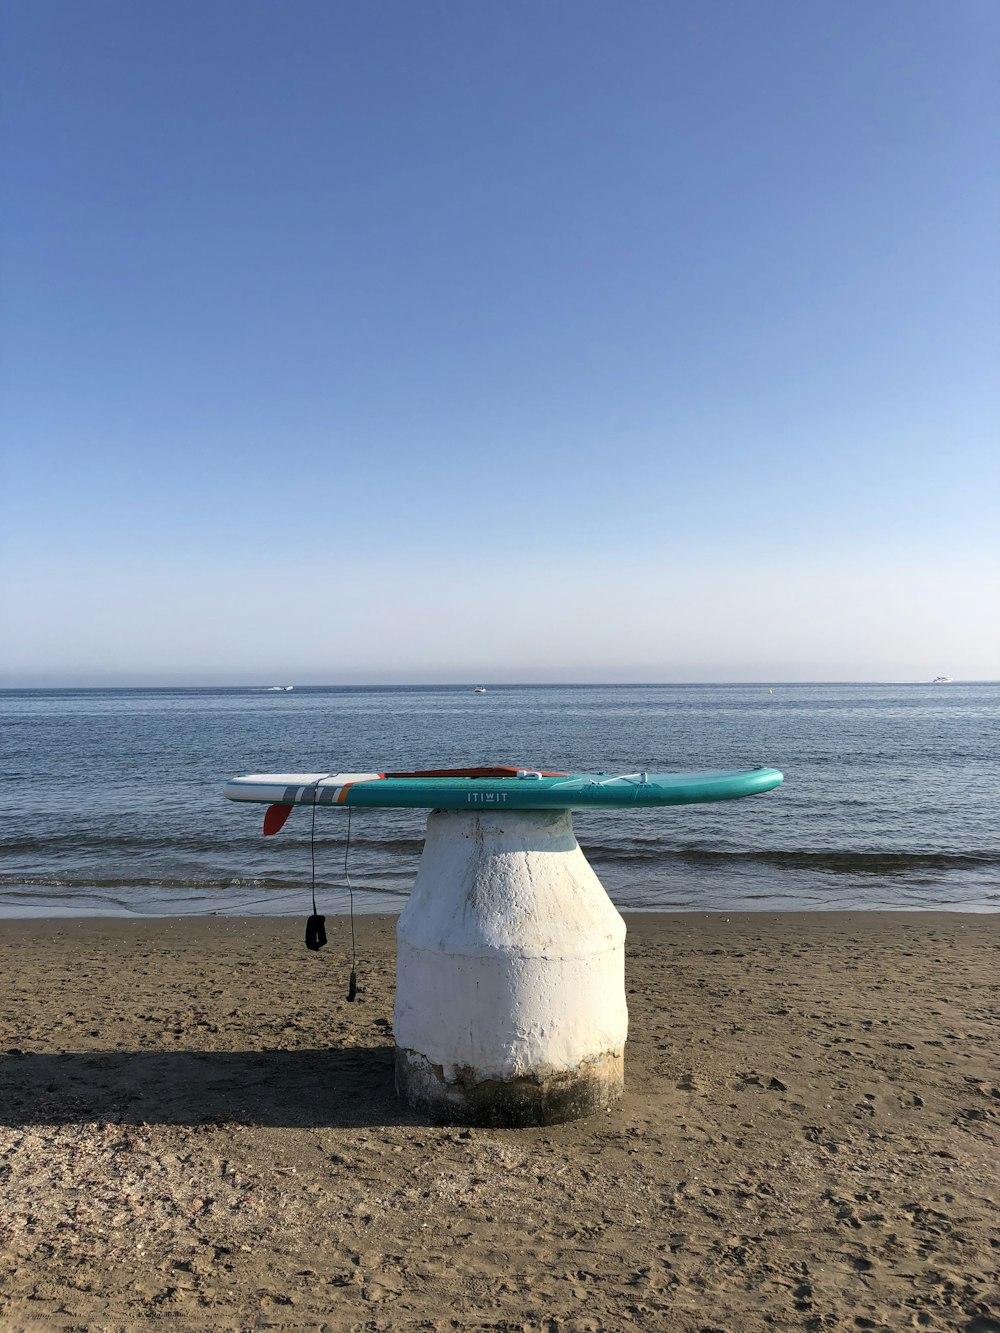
[[342, 794]]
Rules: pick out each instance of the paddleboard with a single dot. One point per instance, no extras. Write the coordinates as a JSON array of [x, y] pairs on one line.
[[494, 788]]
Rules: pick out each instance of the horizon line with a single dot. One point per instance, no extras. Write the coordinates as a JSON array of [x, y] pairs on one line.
[[510, 684]]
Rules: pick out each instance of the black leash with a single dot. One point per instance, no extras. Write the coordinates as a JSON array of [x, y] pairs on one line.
[[316, 925], [352, 988]]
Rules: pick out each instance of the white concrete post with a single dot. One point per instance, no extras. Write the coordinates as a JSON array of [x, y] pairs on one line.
[[510, 980]]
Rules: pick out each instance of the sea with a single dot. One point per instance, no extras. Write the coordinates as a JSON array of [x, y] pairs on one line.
[[112, 799]]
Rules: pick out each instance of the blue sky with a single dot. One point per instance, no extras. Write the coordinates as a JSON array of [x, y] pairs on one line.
[[443, 341]]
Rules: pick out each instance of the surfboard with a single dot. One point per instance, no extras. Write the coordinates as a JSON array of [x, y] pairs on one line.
[[494, 789]]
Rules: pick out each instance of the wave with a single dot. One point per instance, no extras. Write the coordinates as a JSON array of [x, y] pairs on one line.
[[45, 845], [12, 885], [874, 864], [835, 862]]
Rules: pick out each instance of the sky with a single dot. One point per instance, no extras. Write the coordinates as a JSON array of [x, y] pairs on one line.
[[579, 341]]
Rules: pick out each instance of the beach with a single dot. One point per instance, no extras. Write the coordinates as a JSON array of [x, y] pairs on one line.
[[197, 1128]]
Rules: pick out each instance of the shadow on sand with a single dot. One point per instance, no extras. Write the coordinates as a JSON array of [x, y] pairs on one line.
[[347, 1087]]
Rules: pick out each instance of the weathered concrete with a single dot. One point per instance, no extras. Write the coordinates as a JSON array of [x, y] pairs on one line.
[[510, 989]]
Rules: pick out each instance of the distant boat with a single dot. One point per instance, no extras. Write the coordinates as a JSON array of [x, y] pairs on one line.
[[941, 680], [480, 689], [279, 689]]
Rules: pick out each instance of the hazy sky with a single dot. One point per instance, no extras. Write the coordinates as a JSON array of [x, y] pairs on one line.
[[514, 341]]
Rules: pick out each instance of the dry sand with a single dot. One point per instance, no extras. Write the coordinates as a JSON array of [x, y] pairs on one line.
[[197, 1129]]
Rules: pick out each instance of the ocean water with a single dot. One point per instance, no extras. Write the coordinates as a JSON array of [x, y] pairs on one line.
[[112, 799]]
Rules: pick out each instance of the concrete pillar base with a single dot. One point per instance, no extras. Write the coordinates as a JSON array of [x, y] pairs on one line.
[[510, 974], [516, 1103]]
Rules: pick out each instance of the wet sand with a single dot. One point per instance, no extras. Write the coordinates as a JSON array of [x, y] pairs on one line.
[[196, 1128]]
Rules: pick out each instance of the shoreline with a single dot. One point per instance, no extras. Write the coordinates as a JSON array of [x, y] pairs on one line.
[[196, 1126], [38, 916]]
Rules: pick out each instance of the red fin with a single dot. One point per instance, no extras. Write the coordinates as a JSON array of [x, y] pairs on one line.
[[274, 818]]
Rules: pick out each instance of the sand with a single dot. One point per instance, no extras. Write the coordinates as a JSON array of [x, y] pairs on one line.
[[197, 1129]]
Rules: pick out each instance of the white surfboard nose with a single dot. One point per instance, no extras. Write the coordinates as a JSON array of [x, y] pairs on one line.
[[292, 788]]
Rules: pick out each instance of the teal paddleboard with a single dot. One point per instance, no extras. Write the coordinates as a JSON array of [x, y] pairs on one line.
[[495, 788]]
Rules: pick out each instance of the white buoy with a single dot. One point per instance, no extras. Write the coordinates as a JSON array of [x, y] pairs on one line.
[[510, 983]]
